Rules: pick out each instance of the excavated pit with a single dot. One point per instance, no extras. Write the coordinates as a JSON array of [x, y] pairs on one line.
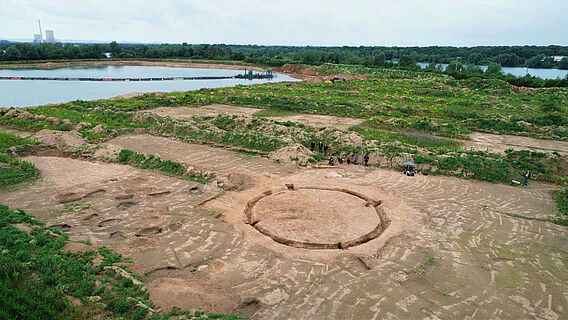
[[316, 217]]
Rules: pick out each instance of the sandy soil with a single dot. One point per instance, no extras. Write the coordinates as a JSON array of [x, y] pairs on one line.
[[449, 250], [314, 216], [209, 110], [318, 121], [321, 121], [311, 75], [500, 143]]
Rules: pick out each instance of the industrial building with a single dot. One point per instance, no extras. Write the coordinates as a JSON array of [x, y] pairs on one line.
[[49, 35]]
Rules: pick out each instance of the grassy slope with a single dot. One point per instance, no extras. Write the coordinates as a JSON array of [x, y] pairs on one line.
[[37, 278], [14, 170]]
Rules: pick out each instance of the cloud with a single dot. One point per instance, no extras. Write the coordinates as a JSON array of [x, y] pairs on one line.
[[293, 22]]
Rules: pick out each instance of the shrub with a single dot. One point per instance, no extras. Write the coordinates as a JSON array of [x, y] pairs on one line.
[[151, 161]]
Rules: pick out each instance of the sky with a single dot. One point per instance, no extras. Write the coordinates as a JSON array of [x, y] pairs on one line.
[[293, 22]]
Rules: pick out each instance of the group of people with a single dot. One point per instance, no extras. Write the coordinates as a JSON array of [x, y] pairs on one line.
[[321, 147], [350, 159], [324, 148]]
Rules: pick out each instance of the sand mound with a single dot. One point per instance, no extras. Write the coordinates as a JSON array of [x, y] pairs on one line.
[[60, 139], [296, 152], [107, 152], [300, 72], [353, 139]]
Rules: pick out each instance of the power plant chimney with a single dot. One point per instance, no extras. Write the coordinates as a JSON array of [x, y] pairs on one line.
[[40, 34]]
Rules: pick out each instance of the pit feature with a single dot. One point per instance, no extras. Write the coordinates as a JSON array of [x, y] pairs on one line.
[[317, 218]]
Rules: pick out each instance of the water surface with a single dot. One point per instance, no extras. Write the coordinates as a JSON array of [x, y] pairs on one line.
[[518, 71], [22, 93]]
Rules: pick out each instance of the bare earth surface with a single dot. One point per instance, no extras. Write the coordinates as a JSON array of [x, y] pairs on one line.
[[315, 216], [500, 143], [449, 251], [209, 110], [216, 109]]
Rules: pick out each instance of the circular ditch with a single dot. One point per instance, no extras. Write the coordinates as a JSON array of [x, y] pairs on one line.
[[317, 218]]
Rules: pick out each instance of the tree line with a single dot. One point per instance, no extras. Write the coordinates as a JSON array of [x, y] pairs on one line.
[[462, 62], [506, 56]]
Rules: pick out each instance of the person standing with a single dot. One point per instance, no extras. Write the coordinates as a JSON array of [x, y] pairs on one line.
[[325, 149], [527, 177], [312, 145], [355, 158], [320, 146], [366, 158], [348, 159]]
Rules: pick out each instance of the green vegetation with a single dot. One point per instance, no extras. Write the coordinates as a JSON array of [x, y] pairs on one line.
[[562, 204], [562, 200], [38, 279], [169, 167], [561, 220], [389, 99], [266, 113], [14, 170], [507, 56], [418, 139], [407, 113]]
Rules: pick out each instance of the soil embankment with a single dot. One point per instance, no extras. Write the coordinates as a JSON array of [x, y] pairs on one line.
[[311, 75]]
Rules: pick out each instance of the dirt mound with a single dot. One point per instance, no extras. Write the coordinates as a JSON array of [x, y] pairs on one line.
[[353, 139], [107, 152], [300, 72], [296, 68], [296, 152], [311, 75], [60, 139]]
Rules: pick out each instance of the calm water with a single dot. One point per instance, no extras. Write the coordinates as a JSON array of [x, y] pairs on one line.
[[22, 93], [519, 71]]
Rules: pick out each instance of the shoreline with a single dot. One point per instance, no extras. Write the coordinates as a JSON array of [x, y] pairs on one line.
[[170, 64], [296, 71]]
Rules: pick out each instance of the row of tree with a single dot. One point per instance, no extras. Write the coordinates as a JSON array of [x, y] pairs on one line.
[[506, 56]]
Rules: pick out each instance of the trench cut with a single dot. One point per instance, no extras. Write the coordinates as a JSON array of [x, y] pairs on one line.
[[316, 218]]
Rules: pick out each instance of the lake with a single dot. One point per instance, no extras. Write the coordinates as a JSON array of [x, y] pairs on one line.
[[23, 93], [518, 71]]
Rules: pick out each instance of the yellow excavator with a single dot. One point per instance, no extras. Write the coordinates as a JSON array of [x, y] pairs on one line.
[[335, 79]]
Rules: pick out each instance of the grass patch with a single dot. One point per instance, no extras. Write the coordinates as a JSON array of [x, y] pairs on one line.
[[562, 201], [172, 168], [563, 221], [267, 113], [14, 170], [8, 140], [418, 139]]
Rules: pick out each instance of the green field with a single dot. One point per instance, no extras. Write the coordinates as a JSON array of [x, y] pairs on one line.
[[406, 113]]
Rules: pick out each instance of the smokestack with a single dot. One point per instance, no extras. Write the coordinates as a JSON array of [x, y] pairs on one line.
[[40, 34]]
